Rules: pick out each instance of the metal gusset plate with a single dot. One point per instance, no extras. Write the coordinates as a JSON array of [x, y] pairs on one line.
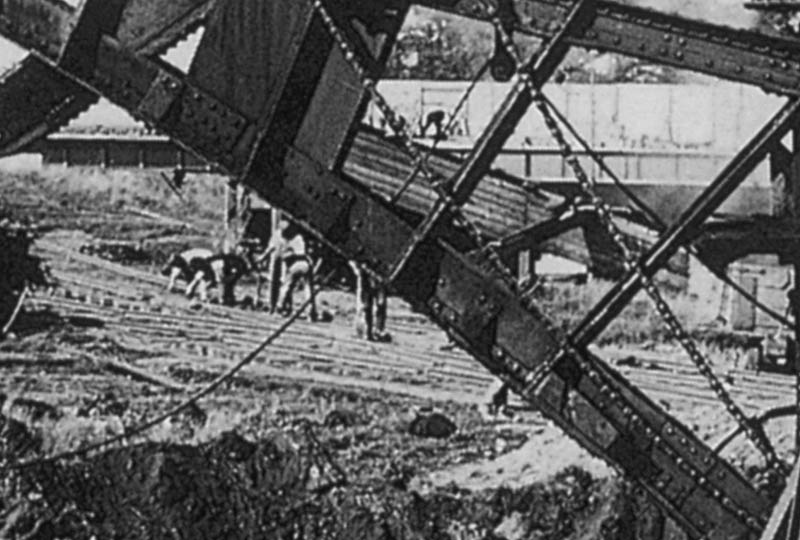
[[770, 62], [36, 100], [277, 151]]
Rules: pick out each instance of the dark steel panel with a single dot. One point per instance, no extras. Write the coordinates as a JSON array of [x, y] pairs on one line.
[[150, 26], [246, 51], [93, 19], [160, 97], [35, 100], [319, 76], [373, 30]]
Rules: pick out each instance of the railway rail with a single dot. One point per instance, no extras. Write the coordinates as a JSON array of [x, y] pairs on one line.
[[221, 334]]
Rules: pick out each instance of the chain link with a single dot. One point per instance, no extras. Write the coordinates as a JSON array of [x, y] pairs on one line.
[[522, 378], [533, 378], [753, 431], [450, 124], [400, 128]]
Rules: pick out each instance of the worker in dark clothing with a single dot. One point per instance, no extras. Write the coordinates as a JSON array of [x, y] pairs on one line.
[[371, 306], [227, 269], [436, 119]]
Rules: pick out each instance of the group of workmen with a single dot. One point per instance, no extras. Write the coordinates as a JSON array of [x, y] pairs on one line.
[[203, 269], [287, 261], [286, 258]]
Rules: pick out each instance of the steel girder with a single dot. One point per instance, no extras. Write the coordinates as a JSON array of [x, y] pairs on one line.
[[289, 144], [48, 101], [35, 99], [734, 54]]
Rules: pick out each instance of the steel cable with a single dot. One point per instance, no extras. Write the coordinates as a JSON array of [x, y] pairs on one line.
[[186, 404], [656, 222]]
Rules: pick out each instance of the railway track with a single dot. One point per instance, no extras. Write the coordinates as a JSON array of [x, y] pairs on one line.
[[413, 364]]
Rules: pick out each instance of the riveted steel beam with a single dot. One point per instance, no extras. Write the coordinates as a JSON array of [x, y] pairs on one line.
[[589, 401], [532, 76], [512, 338], [36, 100], [746, 56]]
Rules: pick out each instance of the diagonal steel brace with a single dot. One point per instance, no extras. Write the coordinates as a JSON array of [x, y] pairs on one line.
[[688, 226], [582, 395], [36, 99], [533, 75]]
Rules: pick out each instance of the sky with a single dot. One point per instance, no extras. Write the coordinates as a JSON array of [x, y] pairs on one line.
[[729, 12]]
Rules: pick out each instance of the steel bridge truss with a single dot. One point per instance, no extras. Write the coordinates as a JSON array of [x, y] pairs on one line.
[[274, 98]]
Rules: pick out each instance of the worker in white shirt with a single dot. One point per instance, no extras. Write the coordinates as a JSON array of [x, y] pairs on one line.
[[290, 248], [191, 266]]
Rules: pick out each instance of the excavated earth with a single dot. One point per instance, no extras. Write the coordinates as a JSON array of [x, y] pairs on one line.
[[323, 436], [299, 480]]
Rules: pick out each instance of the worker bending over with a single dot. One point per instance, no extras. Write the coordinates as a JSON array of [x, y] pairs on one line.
[[202, 269], [190, 266], [227, 269]]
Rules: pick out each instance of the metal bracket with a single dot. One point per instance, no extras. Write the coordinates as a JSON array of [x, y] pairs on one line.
[[463, 300], [162, 94], [165, 99], [307, 200], [94, 19]]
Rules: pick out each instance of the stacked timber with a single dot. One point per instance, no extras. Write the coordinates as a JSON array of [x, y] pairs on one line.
[[501, 205]]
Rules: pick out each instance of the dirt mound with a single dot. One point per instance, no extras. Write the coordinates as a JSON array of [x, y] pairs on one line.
[[284, 486], [230, 488]]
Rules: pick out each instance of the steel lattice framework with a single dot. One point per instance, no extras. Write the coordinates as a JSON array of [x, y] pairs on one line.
[[274, 98]]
